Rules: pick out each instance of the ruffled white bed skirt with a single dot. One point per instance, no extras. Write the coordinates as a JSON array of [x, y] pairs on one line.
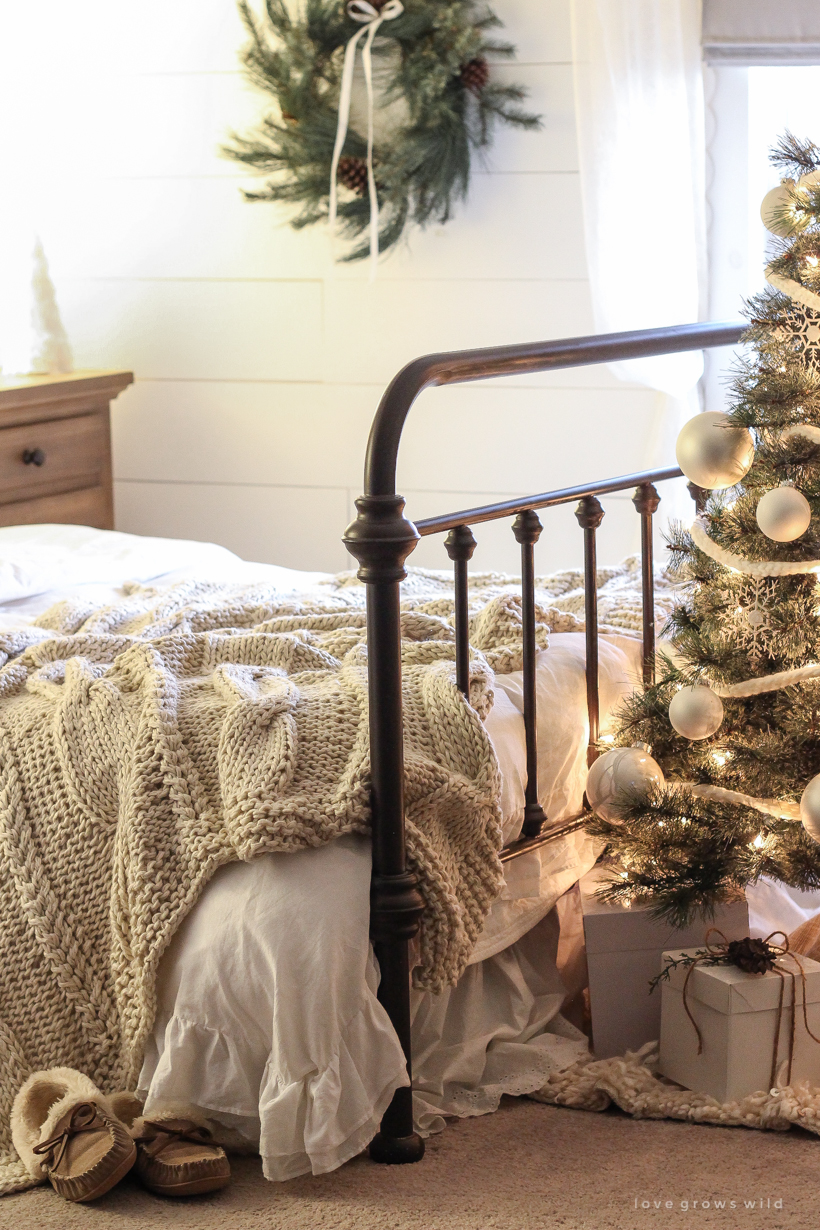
[[499, 1031], [268, 1018]]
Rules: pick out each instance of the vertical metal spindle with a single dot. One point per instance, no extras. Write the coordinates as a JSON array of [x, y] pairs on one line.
[[527, 530], [699, 495], [590, 514], [460, 545], [646, 500]]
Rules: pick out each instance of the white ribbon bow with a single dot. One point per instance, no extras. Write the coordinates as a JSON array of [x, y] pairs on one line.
[[371, 18]]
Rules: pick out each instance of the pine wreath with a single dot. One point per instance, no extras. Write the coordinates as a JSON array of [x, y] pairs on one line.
[[434, 70]]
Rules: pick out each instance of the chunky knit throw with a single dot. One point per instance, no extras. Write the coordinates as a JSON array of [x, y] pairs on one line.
[[629, 1082], [145, 744]]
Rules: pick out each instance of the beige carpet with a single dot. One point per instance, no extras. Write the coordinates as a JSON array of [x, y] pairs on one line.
[[528, 1167]]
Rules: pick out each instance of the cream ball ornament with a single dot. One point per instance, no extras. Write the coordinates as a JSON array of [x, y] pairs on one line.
[[617, 776], [810, 808], [713, 452], [777, 209], [696, 713], [783, 513]]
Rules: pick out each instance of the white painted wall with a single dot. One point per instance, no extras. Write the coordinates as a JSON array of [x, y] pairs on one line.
[[259, 363]]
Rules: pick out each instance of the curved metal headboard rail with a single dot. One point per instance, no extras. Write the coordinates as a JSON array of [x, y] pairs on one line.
[[381, 538], [460, 366]]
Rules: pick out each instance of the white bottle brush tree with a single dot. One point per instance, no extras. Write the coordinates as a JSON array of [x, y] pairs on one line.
[[726, 786]]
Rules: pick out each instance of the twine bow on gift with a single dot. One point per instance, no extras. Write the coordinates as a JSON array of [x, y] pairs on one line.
[[754, 956], [371, 18]]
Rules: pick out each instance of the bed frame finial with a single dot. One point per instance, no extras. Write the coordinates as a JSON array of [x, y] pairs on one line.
[[381, 538]]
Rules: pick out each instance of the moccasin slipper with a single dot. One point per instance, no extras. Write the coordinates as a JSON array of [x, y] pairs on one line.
[[177, 1155], [66, 1131]]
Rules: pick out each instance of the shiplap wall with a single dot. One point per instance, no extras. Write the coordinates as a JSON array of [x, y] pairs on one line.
[[259, 363]]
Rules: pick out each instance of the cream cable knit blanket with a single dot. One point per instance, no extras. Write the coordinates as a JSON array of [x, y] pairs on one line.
[[145, 744]]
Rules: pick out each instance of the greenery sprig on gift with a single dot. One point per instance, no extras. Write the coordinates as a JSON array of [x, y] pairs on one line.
[[752, 955], [438, 59]]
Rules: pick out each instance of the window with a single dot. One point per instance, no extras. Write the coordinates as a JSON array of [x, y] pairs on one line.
[[762, 77]]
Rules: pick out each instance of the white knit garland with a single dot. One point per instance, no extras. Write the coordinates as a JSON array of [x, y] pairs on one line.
[[749, 567], [769, 683], [794, 290], [802, 429], [771, 807]]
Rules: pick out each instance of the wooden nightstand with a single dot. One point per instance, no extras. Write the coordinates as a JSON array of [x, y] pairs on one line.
[[55, 448]]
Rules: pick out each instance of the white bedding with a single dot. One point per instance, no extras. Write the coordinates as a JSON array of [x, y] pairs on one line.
[[267, 1012]]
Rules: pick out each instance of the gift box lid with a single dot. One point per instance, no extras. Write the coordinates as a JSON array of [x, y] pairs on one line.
[[729, 990]]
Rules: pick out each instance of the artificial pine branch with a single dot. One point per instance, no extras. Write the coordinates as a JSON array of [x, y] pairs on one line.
[[794, 156]]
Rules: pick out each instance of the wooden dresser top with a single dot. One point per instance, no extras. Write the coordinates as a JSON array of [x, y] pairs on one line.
[[57, 396]]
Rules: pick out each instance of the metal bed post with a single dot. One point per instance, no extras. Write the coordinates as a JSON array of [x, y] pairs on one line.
[[527, 530], [460, 545], [646, 500], [381, 538], [590, 514], [699, 495]]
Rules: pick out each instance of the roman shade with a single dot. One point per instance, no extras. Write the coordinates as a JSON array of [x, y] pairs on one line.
[[745, 32]]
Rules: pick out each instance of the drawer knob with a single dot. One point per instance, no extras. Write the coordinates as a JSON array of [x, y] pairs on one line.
[[33, 457]]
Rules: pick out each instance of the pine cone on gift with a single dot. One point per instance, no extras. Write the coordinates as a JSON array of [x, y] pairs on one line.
[[352, 172], [475, 75], [751, 955]]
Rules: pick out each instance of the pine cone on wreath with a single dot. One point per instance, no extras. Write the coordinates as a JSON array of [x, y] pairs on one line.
[[352, 172], [475, 75], [753, 956]]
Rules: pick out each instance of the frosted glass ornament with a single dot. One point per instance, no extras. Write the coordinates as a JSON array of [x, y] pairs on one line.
[[696, 713], [778, 199], [713, 452], [810, 808], [773, 203], [618, 774], [783, 514]]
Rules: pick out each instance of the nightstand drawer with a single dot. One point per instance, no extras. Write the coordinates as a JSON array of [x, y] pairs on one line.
[[90, 506], [54, 456]]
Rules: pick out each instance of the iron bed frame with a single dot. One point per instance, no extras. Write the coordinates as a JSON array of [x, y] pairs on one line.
[[381, 538]]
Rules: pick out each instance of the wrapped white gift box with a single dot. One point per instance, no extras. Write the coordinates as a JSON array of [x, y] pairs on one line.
[[624, 948], [737, 1014]]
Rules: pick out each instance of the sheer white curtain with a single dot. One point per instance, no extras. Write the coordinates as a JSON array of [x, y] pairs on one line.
[[639, 109]]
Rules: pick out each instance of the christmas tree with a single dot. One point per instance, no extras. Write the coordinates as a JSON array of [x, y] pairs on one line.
[[717, 764]]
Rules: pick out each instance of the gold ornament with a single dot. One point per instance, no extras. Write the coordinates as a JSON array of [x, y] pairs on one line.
[[780, 212], [713, 452], [810, 808]]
